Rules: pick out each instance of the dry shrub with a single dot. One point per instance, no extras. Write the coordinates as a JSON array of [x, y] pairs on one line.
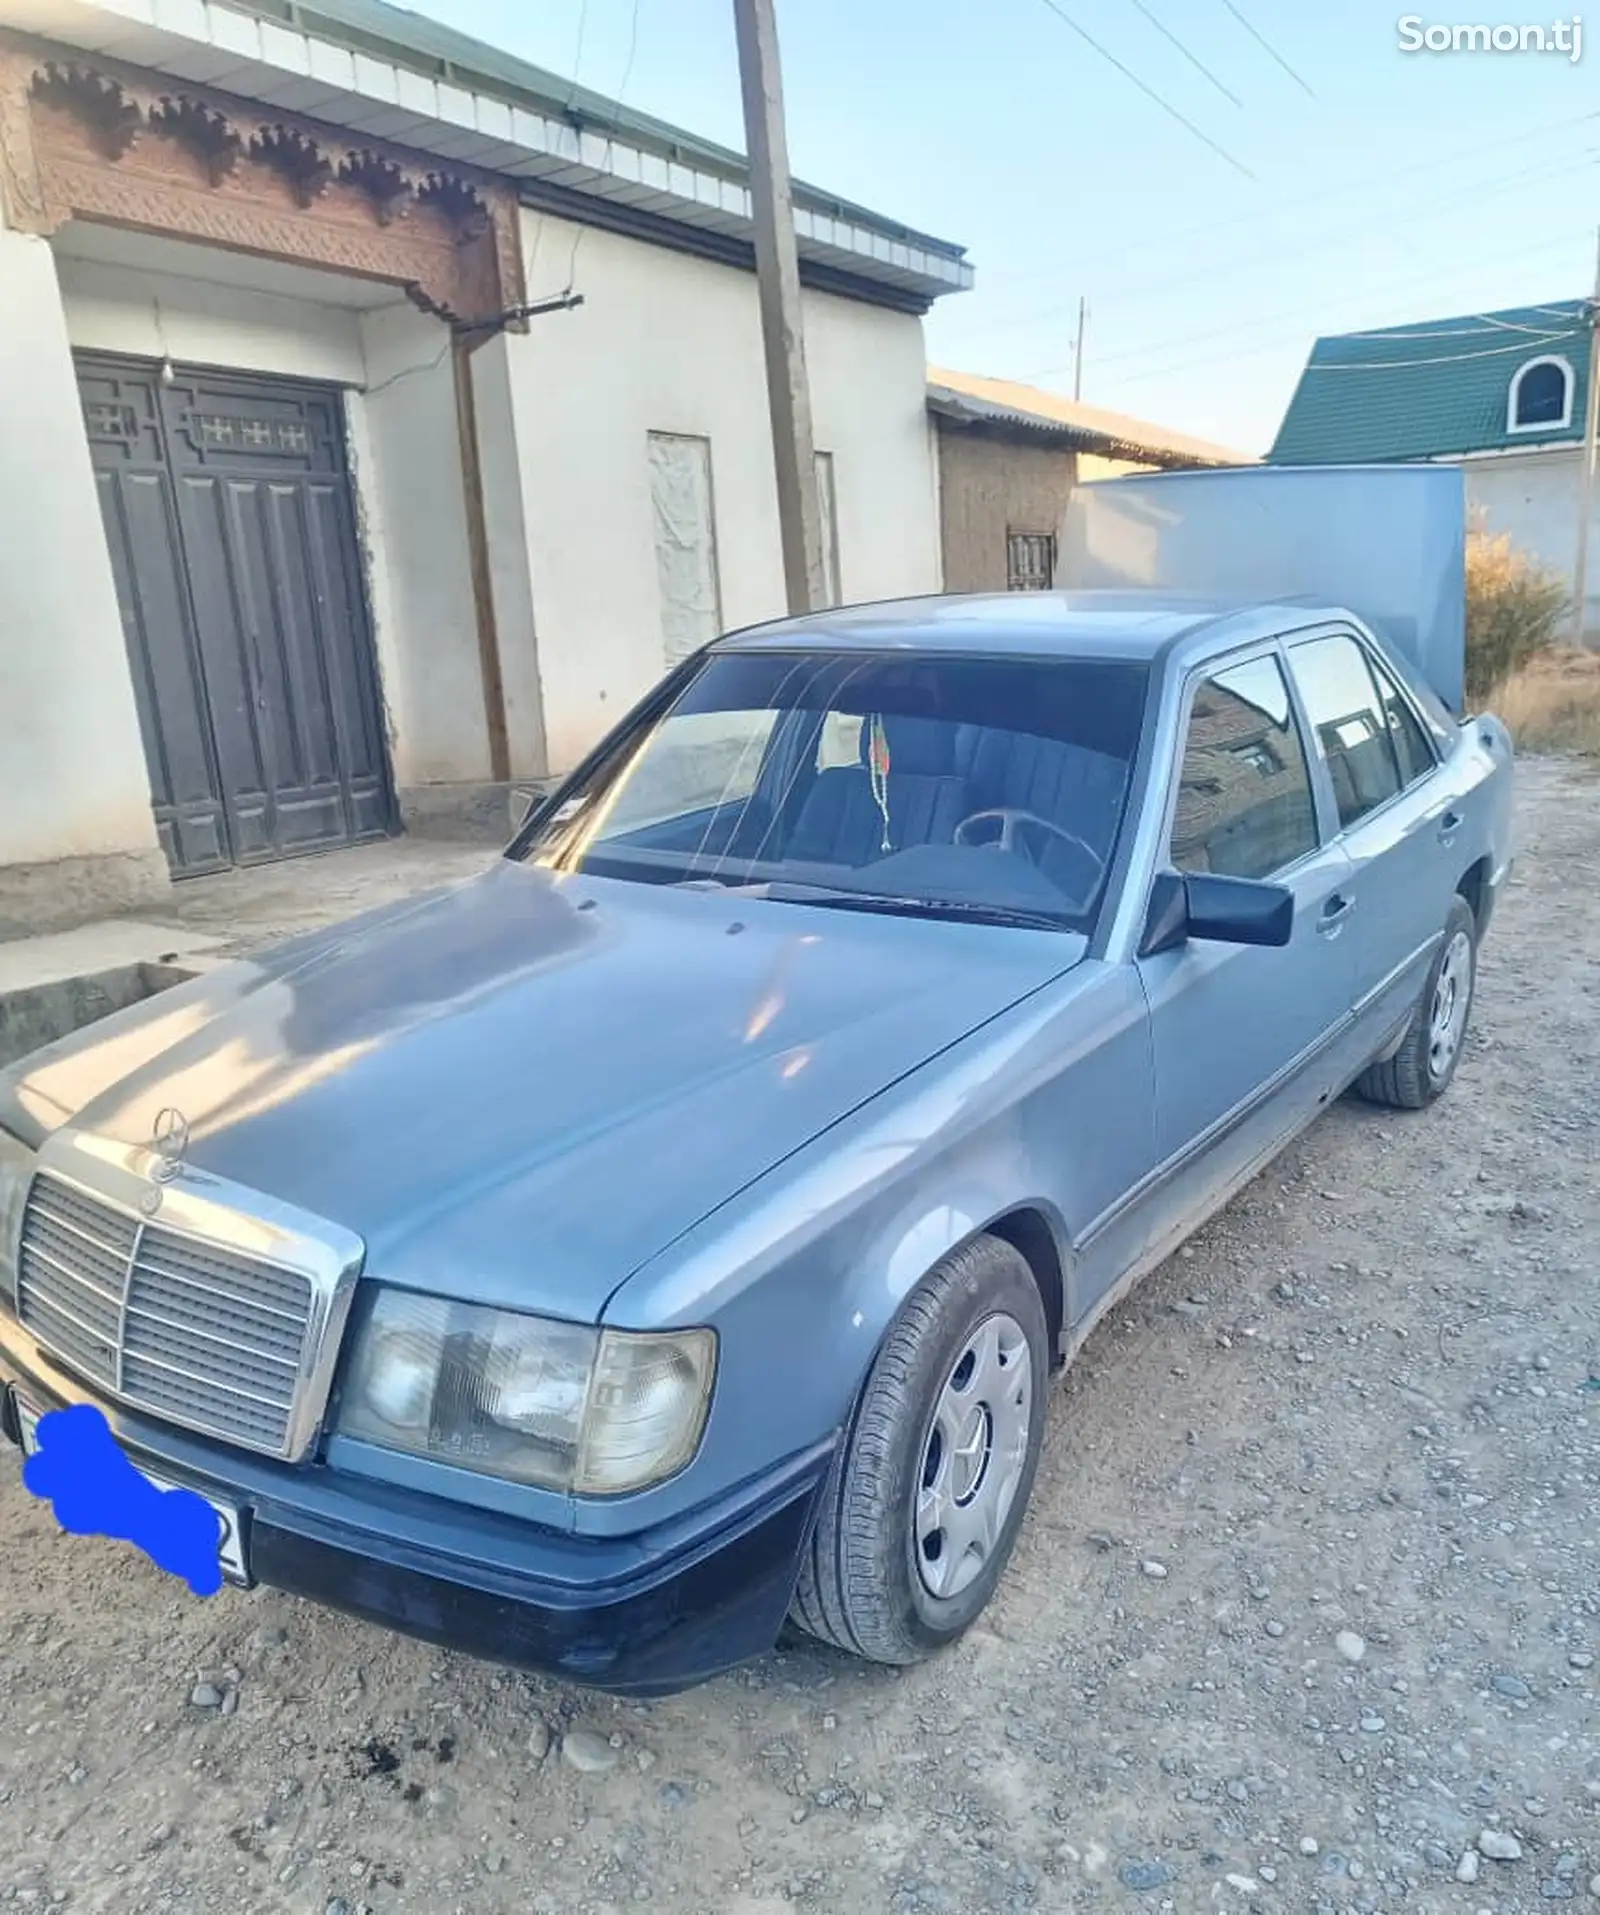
[[1553, 702], [1515, 610]]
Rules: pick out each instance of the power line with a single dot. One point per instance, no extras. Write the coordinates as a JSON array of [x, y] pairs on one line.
[[1335, 189], [622, 87], [1485, 322], [566, 113], [1267, 46], [577, 52], [1296, 331], [1149, 92], [1445, 359], [1479, 192], [1477, 195], [1194, 60], [633, 48], [1287, 331]]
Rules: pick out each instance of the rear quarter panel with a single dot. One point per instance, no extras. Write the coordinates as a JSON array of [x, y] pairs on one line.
[[1477, 775]]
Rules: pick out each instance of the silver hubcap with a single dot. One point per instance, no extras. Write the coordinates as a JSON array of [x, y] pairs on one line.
[[1452, 992], [972, 1457]]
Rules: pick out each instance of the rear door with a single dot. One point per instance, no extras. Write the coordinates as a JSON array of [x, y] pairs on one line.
[[1396, 822]]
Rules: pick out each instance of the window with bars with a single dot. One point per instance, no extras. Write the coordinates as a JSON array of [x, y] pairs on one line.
[[1030, 561]]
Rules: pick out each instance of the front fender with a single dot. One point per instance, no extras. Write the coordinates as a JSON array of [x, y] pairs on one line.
[[1049, 1107]]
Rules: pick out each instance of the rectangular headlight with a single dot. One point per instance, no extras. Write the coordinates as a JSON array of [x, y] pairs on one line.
[[16, 1172], [526, 1398]]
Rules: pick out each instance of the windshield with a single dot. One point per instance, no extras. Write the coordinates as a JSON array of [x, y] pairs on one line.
[[964, 787]]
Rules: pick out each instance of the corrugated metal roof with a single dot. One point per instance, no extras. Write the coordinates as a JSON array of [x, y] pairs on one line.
[[1430, 390], [383, 71], [428, 45], [972, 399]]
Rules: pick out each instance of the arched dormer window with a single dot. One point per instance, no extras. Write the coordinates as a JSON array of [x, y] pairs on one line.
[[1541, 397]]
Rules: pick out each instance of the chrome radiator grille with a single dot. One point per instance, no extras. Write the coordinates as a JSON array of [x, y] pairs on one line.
[[188, 1330]]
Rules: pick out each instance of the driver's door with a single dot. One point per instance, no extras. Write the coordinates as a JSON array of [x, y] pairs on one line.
[[1246, 1040]]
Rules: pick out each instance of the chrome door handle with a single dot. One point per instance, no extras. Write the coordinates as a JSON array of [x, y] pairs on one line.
[[1334, 913], [1449, 825]]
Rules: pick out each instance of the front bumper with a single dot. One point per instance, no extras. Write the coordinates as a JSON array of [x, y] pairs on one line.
[[644, 1615]]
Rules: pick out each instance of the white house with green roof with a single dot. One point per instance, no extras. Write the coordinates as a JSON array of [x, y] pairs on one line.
[[382, 415], [1501, 394]]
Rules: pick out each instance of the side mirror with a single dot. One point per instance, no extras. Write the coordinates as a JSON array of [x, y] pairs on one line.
[[520, 803], [1199, 904]]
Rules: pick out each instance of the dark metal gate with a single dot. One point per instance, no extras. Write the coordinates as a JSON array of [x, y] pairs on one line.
[[228, 510]]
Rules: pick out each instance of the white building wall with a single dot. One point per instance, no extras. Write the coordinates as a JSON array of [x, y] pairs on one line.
[[510, 579], [1534, 497], [869, 401], [672, 344], [147, 315], [417, 535], [665, 343], [74, 785]]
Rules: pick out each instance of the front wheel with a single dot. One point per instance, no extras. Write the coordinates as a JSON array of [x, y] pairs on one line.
[[1423, 1066], [928, 1491]]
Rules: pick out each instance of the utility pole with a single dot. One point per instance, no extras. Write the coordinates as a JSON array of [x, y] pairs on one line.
[[1591, 456], [778, 274], [1077, 357]]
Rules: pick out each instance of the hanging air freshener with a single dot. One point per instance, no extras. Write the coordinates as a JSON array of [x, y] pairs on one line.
[[878, 771]]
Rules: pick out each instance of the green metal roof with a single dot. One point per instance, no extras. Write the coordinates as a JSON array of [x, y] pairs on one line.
[[1430, 390], [427, 46]]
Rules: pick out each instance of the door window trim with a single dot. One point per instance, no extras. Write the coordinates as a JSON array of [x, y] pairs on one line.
[[1324, 776], [1377, 665], [1196, 676]]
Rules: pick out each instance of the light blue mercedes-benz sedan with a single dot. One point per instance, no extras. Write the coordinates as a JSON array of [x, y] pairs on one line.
[[674, 1230]]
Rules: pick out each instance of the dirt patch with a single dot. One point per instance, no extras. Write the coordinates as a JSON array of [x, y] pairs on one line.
[[1357, 1424]]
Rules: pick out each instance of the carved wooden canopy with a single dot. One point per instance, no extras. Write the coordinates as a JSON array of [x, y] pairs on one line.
[[85, 138]]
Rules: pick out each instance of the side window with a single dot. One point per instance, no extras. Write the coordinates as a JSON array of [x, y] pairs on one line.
[[1405, 729], [1244, 795], [1351, 727]]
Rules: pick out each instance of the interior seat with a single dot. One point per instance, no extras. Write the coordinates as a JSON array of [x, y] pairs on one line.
[[840, 821], [1079, 789]]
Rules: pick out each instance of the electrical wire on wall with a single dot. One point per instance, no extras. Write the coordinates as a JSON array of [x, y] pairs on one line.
[[622, 87], [411, 372]]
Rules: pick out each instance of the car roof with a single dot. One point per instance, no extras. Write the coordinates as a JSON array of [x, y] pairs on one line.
[[1136, 626]]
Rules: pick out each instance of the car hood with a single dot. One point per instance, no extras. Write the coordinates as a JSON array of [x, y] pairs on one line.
[[519, 1089]]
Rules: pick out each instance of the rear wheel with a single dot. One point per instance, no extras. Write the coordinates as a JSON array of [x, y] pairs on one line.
[[1426, 1061], [928, 1491]]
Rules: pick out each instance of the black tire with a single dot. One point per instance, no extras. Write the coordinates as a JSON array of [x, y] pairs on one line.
[[861, 1587], [1415, 1076]]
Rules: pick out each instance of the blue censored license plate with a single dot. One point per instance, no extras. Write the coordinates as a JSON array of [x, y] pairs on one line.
[[230, 1530]]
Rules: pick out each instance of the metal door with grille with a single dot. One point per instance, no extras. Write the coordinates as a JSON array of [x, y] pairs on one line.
[[228, 510]]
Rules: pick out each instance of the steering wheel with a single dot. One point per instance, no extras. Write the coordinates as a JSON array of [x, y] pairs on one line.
[[1011, 818]]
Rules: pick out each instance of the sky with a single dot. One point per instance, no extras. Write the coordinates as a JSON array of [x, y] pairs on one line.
[[1357, 185]]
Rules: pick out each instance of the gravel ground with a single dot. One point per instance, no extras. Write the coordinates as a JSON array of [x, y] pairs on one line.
[[1304, 1617]]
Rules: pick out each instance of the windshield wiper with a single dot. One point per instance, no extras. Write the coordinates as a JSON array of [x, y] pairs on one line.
[[889, 905]]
